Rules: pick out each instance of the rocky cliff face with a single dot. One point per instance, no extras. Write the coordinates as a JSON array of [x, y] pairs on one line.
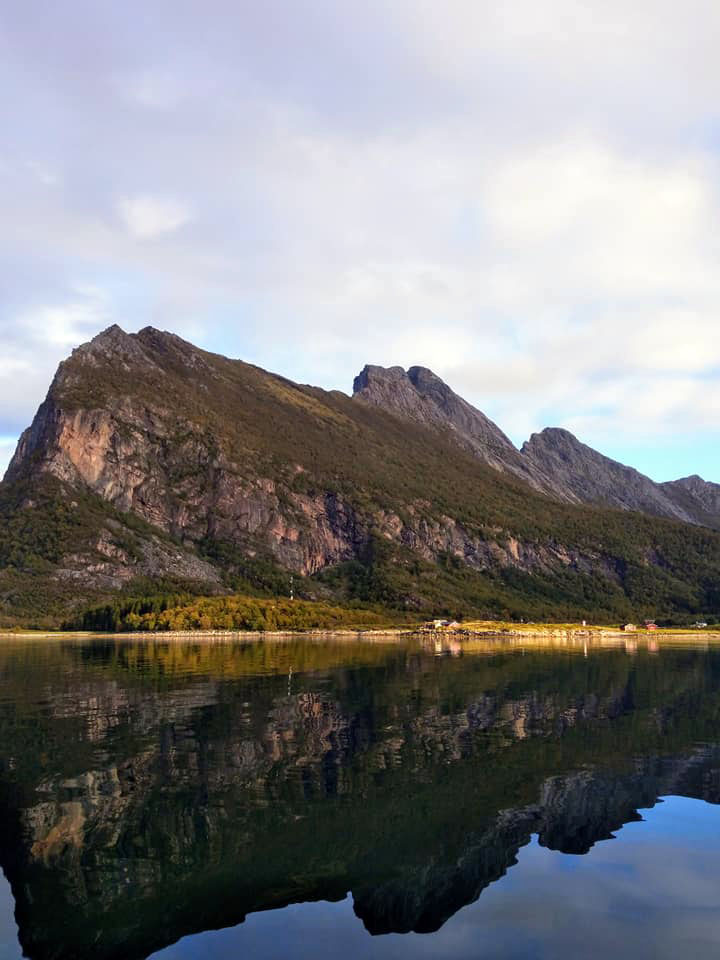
[[154, 446]]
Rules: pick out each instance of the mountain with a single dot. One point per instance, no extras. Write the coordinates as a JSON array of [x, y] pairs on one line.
[[419, 395], [153, 466], [700, 499], [594, 478], [552, 461]]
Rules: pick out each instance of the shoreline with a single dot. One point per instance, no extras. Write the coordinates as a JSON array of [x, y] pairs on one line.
[[461, 634]]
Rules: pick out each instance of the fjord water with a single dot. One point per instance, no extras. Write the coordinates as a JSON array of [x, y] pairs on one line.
[[300, 798]]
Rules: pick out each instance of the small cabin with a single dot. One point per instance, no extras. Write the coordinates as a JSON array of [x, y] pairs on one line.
[[629, 628], [650, 625]]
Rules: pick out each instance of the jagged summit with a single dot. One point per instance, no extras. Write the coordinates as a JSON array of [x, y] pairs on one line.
[[695, 482], [115, 338], [700, 498], [595, 478], [422, 396], [372, 374], [110, 334], [113, 341]]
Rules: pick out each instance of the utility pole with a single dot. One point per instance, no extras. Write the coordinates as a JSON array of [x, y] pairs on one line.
[[292, 587]]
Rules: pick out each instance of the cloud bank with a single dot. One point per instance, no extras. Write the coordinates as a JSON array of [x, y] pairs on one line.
[[522, 196]]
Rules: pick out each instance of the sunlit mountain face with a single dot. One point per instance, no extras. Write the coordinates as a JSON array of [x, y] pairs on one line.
[[154, 791]]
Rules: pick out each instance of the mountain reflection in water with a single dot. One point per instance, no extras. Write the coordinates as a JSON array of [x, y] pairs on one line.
[[154, 790]]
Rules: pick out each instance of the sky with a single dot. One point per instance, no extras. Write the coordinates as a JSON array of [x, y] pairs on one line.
[[523, 196]]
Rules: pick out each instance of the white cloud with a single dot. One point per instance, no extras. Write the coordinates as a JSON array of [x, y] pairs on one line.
[[523, 196], [147, 216], [45, 176], [155, 87], [34, 341], [67, 324]]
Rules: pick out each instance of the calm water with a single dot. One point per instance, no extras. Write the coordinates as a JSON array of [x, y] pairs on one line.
[[323, 799]]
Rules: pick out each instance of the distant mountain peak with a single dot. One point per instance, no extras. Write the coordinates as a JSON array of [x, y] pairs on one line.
[[595, 478], [421, 395], [372, 374], [693, 480], [558, 432], [699, 497], [109, 333]]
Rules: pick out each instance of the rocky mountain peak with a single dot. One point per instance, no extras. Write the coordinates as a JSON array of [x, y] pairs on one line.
[[372, 373], [595, 478], [555, 442], [423, 378], [431, 386], [698, 497], [111, 334], [422, 396], [112, 338], [694, 482], [111, 344], [558, 435]]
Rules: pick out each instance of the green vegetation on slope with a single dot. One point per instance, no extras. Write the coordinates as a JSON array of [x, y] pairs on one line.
[[44, 523], [394, 577]]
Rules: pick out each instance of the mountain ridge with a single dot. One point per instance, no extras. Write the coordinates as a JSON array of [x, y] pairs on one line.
[[153, 460], [595, 478], [552, 461], [421, 395]]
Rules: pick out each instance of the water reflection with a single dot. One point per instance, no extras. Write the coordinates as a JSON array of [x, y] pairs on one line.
[[623, 901], [150, 791]]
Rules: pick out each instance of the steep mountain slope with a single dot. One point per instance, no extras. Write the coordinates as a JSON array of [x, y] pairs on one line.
[[153, 463], [418, 394], [594, 478], [699, 498]]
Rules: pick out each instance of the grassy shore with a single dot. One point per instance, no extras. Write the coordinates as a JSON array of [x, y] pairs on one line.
[[461, 633], [546, 629]]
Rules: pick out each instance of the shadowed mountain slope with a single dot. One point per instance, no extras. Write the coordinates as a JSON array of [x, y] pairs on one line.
[[553, 461]]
